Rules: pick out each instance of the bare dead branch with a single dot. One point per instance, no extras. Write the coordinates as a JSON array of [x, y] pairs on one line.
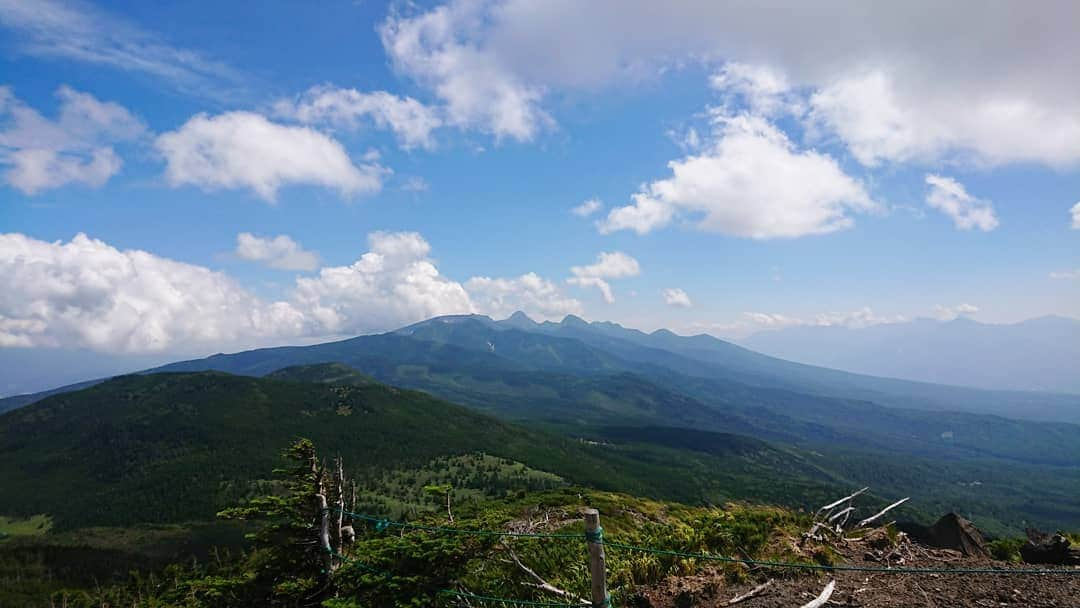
[[840, 513], [837, 503], [882, 512], [540, 582], [820, 601], [749, 594]]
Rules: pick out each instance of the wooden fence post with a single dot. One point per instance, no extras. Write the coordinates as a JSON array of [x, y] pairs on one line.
[[597, 567]]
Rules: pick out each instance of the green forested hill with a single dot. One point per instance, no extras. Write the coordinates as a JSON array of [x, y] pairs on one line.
[[180, 446]]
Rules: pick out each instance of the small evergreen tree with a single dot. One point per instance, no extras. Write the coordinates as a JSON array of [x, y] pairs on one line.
[[288, 566]]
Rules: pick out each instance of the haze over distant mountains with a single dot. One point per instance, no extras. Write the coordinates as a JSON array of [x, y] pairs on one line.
[[1039, 354]]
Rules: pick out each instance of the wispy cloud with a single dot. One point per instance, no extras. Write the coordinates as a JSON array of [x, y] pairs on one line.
[[79, 32], [1065, 274]]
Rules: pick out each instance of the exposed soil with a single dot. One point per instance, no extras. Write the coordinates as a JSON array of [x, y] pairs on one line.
[[879, 590]]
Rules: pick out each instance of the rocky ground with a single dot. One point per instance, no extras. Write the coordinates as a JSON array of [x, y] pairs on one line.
[[879, 590]]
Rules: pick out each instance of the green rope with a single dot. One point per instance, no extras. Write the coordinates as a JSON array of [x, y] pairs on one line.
[[773, 564], [596, 536], [502, 600]]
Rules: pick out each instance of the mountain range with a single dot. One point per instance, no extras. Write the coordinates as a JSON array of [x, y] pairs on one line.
[[1040, 354], [1006, 456]]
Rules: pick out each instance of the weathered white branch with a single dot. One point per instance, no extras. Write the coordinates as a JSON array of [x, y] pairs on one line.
[[882, 512], [749, 594], [826, 593], [540, 582], [833, 505], [841, 513]]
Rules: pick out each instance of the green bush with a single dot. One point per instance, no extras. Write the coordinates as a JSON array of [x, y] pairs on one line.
[[1007, 549]]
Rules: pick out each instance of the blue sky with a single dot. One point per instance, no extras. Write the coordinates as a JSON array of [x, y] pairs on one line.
[[755, 168]]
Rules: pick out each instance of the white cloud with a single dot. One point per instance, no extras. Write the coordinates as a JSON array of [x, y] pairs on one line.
[[588, 207], [530, 293], [75, 148], [752, 322], [394, 283], [478, 89], [751, 182], [613, 265], [1065, 274], [415, 184], [87, 294], [951, 198], [279, 252], [948, 313], [245, 150], [881, 120], [411, 121], [397, 282], [677, 297], [1075, 213], [764, 89], [600, 284], [80, 32], [931, 82]]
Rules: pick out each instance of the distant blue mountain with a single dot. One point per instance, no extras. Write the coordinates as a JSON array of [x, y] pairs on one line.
[[492, 365], [1037, 355]]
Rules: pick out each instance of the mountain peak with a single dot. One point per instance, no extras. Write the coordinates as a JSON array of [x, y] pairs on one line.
[[519, 319], [574, 321]]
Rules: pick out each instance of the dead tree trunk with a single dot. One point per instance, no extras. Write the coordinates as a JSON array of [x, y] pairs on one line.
[[339, 494]]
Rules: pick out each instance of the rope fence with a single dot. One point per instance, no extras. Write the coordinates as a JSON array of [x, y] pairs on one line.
[[596, 538]]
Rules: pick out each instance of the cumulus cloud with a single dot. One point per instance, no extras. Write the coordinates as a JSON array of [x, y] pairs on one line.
[[74, 148], [930, 83], [530, 293], [881, 120], [613, 265], [411, 121], [245, 150], [764, 89], [1075, 213], [88, 294], [751, 182], [948, 313], [437, 48], [951, 198], [677, 297], [588, 207], [397, 282], [394, 283], [279, 252]]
